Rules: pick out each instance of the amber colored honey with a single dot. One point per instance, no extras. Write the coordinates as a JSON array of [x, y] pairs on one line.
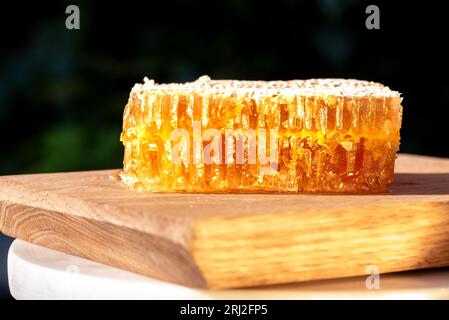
[[326, 143]]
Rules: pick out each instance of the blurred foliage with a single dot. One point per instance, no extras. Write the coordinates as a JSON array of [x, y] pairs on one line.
[[62, 92]]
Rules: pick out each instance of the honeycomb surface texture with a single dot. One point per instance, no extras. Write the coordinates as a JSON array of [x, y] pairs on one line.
[[318, 135]]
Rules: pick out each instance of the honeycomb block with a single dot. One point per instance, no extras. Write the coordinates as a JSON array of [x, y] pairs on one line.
[[319, 135]]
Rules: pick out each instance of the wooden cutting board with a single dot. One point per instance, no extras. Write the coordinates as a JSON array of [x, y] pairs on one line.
[[236, 240]]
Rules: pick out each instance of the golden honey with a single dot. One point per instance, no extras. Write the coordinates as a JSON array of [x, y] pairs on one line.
[[319, 135]]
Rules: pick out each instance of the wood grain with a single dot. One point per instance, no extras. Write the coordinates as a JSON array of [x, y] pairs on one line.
[[235, 240]]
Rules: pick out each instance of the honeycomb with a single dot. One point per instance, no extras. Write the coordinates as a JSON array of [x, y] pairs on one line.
[[318, 135]]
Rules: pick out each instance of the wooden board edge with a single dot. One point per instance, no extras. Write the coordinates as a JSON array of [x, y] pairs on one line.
[[271, 249], [103, 242]]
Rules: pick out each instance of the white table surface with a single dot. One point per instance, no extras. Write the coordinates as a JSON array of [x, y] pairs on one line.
[[39, 273]]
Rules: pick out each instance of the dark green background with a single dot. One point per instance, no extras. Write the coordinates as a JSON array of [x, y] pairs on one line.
[[62, 92]]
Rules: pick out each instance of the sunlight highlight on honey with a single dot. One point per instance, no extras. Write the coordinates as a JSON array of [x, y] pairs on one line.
[[332, 135]]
